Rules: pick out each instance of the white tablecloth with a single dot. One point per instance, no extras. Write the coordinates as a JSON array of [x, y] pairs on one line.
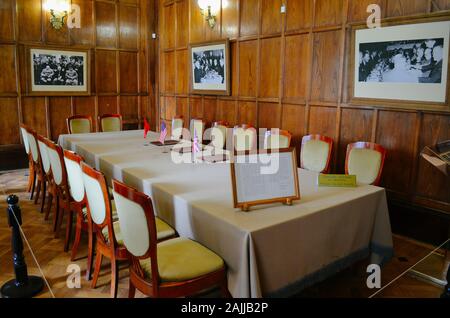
[[274, 250]]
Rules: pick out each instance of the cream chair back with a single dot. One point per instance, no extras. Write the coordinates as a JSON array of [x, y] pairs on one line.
[[55, 163], [33, 147], [314, 155], [44, 156], [177, 128], [219, 136], [111, 124], [95, 199], [26, 144], [245, 139], [273, 140], [365, 164], [75, 178], [197, 128]]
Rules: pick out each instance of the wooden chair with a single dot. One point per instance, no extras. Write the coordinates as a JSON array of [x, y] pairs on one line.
[[79, 124], [366, 161], [37, 163], [173, 268], [274, 140], [219, 131], [32, 173], [76, 186], [110, 122], [109, 242], [316, 153], [197, 126], [177, 127], [52, 192], [245, 138], [48, 181]]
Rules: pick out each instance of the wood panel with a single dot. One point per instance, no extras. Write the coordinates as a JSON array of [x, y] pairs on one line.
[[59, 108], [29, 11], [297, 67], [357, 10], [230, 19], [9, 122], [196, 108], [270, 68], [107, 105], [183, 110], [129, 107], [247, 113], [182, 36], [299, 14], [182, 72], [269, 115], [106, 73], [128, 27], [325, 74], [248, 62], [34, 113], [209, 110], [406, 7], [328, 12], [250, 20], [106, 25], [85, 34], [8, 83], [271, 16], [395, 132], [226, 110], [128, 66], [7, 21]]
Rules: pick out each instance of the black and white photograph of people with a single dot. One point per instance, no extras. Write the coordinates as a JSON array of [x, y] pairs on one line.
[[409, 61], [58, 70], [209, 67]]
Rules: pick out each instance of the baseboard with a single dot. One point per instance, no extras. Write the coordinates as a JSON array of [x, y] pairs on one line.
[[13, 157]]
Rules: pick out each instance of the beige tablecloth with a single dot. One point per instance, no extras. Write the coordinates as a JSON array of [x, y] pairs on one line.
[[274, 250]]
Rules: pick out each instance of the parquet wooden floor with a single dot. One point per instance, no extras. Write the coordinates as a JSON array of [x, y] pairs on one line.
[[54, 262]]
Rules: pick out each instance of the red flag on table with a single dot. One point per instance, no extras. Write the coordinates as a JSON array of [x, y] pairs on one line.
[[162, 137], [146, 127]]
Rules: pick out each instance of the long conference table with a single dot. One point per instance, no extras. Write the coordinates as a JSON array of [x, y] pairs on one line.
[[272, 251]]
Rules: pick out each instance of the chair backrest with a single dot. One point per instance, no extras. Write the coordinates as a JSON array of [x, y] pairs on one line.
[[110, 122], [197, 127], [280, 140], [244, 138], [316, 153], [74, 175], [24, 133], [98, 203], [79, 124], [219, 134], [366, 161], [32, 141], [177, 128], [44, 154], [135, 212], [56, 157]]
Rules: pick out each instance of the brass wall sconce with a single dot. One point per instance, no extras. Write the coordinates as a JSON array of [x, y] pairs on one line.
[[59, 11], [209, 9]]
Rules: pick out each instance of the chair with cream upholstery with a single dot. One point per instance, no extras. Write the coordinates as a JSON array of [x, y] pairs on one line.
[[110, 123], [197, 127], [75, 178], [366, 161], [65, 202], [245, 138], [47, 184], [277, 139], [32, 173], [173, 268], [52, 192], [316, 153], [219, 131], [37, 163], [109, 241], [79, 124], [177, 128]]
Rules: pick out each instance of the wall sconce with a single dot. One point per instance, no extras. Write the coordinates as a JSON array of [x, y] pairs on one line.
[[209, 8], [59, 10]]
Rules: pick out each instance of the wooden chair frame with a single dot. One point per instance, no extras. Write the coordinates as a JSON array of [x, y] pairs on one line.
[[48, 184], [326, 139], [31, 171], [68, 120], [156, 288], [39, 183], [110, 248], [281, 133], [371, 146], [100, 118]]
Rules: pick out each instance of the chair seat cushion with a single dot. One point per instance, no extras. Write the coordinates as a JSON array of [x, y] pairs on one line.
[[114, 212], [182, 259], [163, 230]]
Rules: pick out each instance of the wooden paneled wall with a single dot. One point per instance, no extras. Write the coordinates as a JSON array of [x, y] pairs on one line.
[[291, 71], [118, 33]]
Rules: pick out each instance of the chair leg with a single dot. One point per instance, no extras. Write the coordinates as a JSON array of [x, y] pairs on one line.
[[31, 177], [131, 290], [98, 264], [56, 216], [33, 187], [90, 253], [76, 242], [68, 230], [114, 278], [38, 191], [224, 288], [49, 206], [43, 195]]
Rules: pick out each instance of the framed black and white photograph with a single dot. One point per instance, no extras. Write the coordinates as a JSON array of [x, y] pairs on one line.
[[210, 68], [58, 72], [406, 62]]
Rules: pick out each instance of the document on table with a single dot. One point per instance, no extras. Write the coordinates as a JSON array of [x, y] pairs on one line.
[[253, 185]]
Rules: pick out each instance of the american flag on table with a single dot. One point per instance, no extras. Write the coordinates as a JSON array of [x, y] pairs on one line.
[[162, 136], [195, 145]]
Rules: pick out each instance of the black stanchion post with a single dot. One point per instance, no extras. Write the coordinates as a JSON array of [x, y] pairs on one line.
[[23, 286], [446, 293]]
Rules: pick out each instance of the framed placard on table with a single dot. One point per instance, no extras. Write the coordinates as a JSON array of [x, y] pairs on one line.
[[264, 178]]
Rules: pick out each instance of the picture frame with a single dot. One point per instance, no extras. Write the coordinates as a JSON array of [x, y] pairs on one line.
[[389, 66], [209, 64], [289, 169], [54, 71]]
